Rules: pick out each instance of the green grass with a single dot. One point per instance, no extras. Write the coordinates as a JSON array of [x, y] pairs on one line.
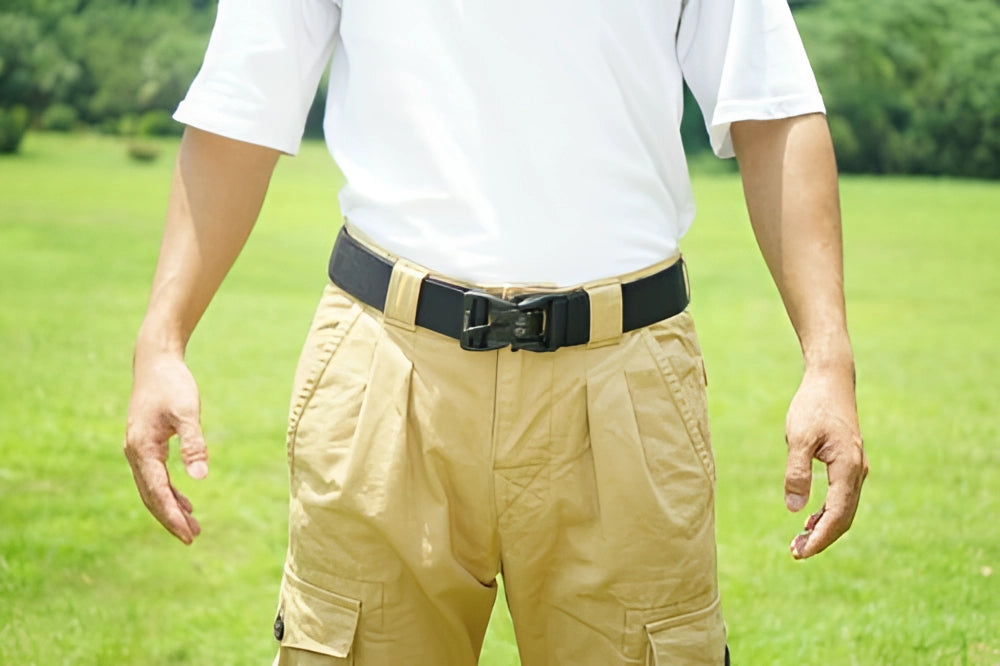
[[87, 577]]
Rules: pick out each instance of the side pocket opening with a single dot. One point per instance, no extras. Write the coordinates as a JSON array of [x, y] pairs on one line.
[[684, 374], [334, 317]]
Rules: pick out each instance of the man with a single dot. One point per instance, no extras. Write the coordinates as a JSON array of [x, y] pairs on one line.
[[502, 374]]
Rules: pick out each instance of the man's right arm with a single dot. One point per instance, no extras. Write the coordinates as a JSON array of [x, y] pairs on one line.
[[216, 195]]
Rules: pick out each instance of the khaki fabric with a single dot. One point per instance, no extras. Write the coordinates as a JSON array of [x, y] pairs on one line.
[[419, 471]]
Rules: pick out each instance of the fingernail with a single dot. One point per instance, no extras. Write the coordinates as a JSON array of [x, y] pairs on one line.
[[197, 470], [795, 502]]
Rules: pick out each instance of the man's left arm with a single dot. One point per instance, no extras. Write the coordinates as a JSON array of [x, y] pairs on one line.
[[790, 183]]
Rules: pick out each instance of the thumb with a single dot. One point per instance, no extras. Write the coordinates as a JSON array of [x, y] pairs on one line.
[[194, 452], [798, 478]]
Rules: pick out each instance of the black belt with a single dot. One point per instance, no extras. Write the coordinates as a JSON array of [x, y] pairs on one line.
[[480, 321]]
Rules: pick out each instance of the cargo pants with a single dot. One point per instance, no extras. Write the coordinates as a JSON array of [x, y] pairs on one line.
[[419, 471]]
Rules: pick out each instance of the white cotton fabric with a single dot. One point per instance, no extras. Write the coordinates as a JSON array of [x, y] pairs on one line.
[[515, 142]]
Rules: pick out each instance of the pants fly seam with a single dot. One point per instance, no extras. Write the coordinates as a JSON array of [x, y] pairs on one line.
[[494, 434]]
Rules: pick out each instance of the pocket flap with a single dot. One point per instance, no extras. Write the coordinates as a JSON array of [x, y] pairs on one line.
[[317, 620], [693, 638]]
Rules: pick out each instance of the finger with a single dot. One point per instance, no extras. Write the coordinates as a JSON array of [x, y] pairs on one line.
[[813, 519], [193, 525], [187, 508], [798, 477], [846, 475], [153, 482], [183, 501], [194, 452], [830, 527], [799, 542]]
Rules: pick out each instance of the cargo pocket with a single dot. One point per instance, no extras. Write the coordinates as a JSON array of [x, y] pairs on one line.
[[692, 639], [315, 626]]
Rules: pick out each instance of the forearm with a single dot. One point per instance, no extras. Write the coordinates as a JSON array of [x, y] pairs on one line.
[[790, 183], [217, 191]]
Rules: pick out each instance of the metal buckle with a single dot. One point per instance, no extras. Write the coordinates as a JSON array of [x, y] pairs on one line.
[[491, 322]]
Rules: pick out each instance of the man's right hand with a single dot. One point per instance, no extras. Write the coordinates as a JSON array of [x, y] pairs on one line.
[[215, 197], [165, 403]]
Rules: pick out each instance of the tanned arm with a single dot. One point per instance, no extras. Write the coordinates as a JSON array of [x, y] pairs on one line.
[[217, 191], [790, 183]]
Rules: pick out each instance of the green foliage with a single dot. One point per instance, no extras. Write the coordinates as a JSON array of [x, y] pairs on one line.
[[59, 118], [317, 111], [127, 125], [110, 126], [911, 87], [142, 151], [157, 122], [13, 125], [105, 58], [693, 132], [35, 68], [18, 34], [139, 60]]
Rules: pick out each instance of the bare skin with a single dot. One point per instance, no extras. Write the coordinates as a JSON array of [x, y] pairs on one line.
[[791, 189], [217, 191], [790, 184]]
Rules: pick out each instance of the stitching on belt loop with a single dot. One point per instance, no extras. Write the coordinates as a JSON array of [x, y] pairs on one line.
[[403, 295], [605, 312]]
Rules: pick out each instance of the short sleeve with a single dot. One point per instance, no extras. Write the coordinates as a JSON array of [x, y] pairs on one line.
[[744, 60], [261, 70]]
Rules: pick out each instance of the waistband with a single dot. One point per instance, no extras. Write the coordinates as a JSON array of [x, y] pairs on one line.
[[481, 319]]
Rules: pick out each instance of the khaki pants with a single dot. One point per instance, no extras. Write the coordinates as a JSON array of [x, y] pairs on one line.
[[420, 470]]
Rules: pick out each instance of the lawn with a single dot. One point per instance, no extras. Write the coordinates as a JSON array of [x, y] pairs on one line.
[[87, 577]]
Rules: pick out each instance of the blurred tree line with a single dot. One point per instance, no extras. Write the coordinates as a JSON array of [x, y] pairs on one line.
[[117, 65], [911, 86]]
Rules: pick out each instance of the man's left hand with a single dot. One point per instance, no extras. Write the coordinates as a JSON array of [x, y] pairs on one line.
[[822, 423]]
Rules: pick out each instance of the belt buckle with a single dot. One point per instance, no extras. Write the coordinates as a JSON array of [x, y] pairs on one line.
[[490, 322]]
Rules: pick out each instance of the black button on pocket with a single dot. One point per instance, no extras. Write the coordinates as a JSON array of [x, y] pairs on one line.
[[279, 628]]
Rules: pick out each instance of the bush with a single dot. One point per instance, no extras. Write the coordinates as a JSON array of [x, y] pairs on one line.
[[13, 125], [911, 87], [110, 126], [59, 118], [142, 151], [128, 125], [157, 122]]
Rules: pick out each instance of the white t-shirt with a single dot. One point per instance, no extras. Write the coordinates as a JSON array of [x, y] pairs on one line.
[[524, 141]]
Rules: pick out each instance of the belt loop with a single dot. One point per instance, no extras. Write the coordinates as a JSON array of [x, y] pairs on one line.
[[605, 312], [403, 295], [687, 278]]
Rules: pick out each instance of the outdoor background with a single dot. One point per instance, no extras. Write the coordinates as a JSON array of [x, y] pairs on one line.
[[88, 577]]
